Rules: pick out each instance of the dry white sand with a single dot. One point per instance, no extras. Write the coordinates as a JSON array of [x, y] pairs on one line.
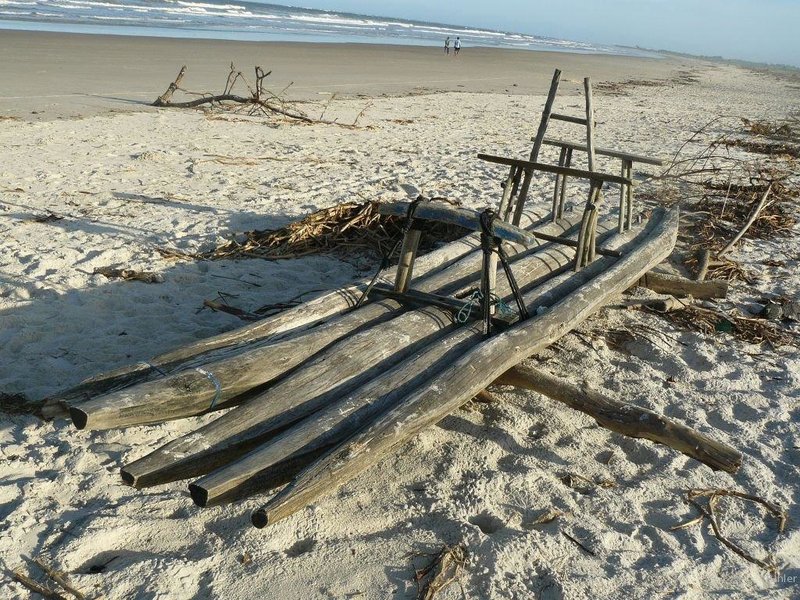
[[127, 184]]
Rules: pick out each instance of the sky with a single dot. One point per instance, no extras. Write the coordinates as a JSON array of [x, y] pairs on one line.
[[756, 30]]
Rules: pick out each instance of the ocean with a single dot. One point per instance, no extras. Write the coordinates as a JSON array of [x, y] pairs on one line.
[[226, 19]]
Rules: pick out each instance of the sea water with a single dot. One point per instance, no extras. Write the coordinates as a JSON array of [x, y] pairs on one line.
[[252, 21]]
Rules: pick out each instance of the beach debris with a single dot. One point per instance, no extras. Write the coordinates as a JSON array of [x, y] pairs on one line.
[[578, 543], [58, 577], [624, 418], [446, 568], [351, 226], [259, 102], [48, 217], [707, 512], [710, 319], [36, 587], [129, 274]]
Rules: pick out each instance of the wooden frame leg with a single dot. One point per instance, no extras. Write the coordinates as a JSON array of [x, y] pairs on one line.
[[405, 268], [563, 191], [628, 165], [559, 178]]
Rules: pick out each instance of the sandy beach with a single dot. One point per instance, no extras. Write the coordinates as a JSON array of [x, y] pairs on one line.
[[92, 176]]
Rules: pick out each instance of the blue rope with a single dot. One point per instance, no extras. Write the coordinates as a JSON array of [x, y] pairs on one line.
[[217, 386]]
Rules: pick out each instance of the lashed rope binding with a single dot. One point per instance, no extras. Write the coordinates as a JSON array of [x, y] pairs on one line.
[[489, 244]]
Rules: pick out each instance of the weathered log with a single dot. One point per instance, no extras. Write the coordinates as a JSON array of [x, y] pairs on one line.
[[278, 326], [674, 285], [627, 419], [218, 384], [468, 375], [256, 470], [345, 415], [314, 385]]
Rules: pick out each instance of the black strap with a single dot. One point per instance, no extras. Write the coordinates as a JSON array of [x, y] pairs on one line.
[[491, 243], [386, 259]]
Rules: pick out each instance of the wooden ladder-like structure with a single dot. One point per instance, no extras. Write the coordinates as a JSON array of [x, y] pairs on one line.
[[518, 182]]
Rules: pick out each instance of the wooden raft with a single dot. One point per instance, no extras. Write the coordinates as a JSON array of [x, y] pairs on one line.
[[315, 406]]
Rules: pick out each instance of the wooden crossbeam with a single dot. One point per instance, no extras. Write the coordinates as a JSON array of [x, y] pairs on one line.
[[636, 158], [568, 171]]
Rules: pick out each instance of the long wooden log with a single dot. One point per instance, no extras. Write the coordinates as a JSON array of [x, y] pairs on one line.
[[220, 383], [287, 322], [675, 285], [468, 375], [311, 387], [627, 419], [345, 415], [257, 470]]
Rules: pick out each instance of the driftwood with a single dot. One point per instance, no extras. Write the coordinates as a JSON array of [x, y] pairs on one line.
[[750, 220], [259, 101], [674, 285], [282, 324], [626, 419], [467, 376], [237, 432]]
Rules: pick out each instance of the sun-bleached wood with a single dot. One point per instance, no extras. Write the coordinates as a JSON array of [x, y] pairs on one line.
[[471, 373], [625, 418]]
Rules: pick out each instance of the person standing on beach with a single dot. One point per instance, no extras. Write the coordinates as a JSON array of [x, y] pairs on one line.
[[457, 46], [447, 45]]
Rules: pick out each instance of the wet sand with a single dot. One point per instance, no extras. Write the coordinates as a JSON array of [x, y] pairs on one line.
[[66, 75]]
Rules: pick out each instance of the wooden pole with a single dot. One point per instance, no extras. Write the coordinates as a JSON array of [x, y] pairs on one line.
[[680, 286], [537, 145], [405, 268], [625, 418], [751, 219], [468, 375]]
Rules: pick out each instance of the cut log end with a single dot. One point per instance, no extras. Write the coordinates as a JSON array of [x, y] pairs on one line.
[[199, 495], [260, 519], [79, 418], [128, 477]]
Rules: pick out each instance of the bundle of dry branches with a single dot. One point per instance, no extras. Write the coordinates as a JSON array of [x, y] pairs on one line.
[[751, 194], [349, 227]]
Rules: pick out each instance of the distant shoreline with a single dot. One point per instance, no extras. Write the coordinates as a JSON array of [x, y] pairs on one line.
[[70, 75]]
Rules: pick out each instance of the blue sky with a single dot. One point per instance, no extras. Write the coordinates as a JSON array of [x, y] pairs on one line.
[[758, 30]]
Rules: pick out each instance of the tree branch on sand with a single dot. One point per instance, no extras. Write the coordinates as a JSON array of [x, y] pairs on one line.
[[260, 100]]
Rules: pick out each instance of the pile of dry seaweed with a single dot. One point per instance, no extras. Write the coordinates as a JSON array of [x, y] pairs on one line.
[[345, 228]]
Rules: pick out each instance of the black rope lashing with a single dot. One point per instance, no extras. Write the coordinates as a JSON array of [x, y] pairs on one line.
[[386, 259], [491, 243]]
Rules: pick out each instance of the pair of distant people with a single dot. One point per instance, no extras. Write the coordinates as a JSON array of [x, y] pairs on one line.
[[456, 46]]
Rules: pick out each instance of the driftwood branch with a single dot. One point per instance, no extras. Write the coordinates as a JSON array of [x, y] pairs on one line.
[[753, 216], [627, 419], [260, 100]]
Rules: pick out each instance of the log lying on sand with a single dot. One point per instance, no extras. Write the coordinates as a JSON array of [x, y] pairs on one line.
[[344, 415], [674, 285], [467, 376], [220, 383], [312, 386], [627, 419]]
